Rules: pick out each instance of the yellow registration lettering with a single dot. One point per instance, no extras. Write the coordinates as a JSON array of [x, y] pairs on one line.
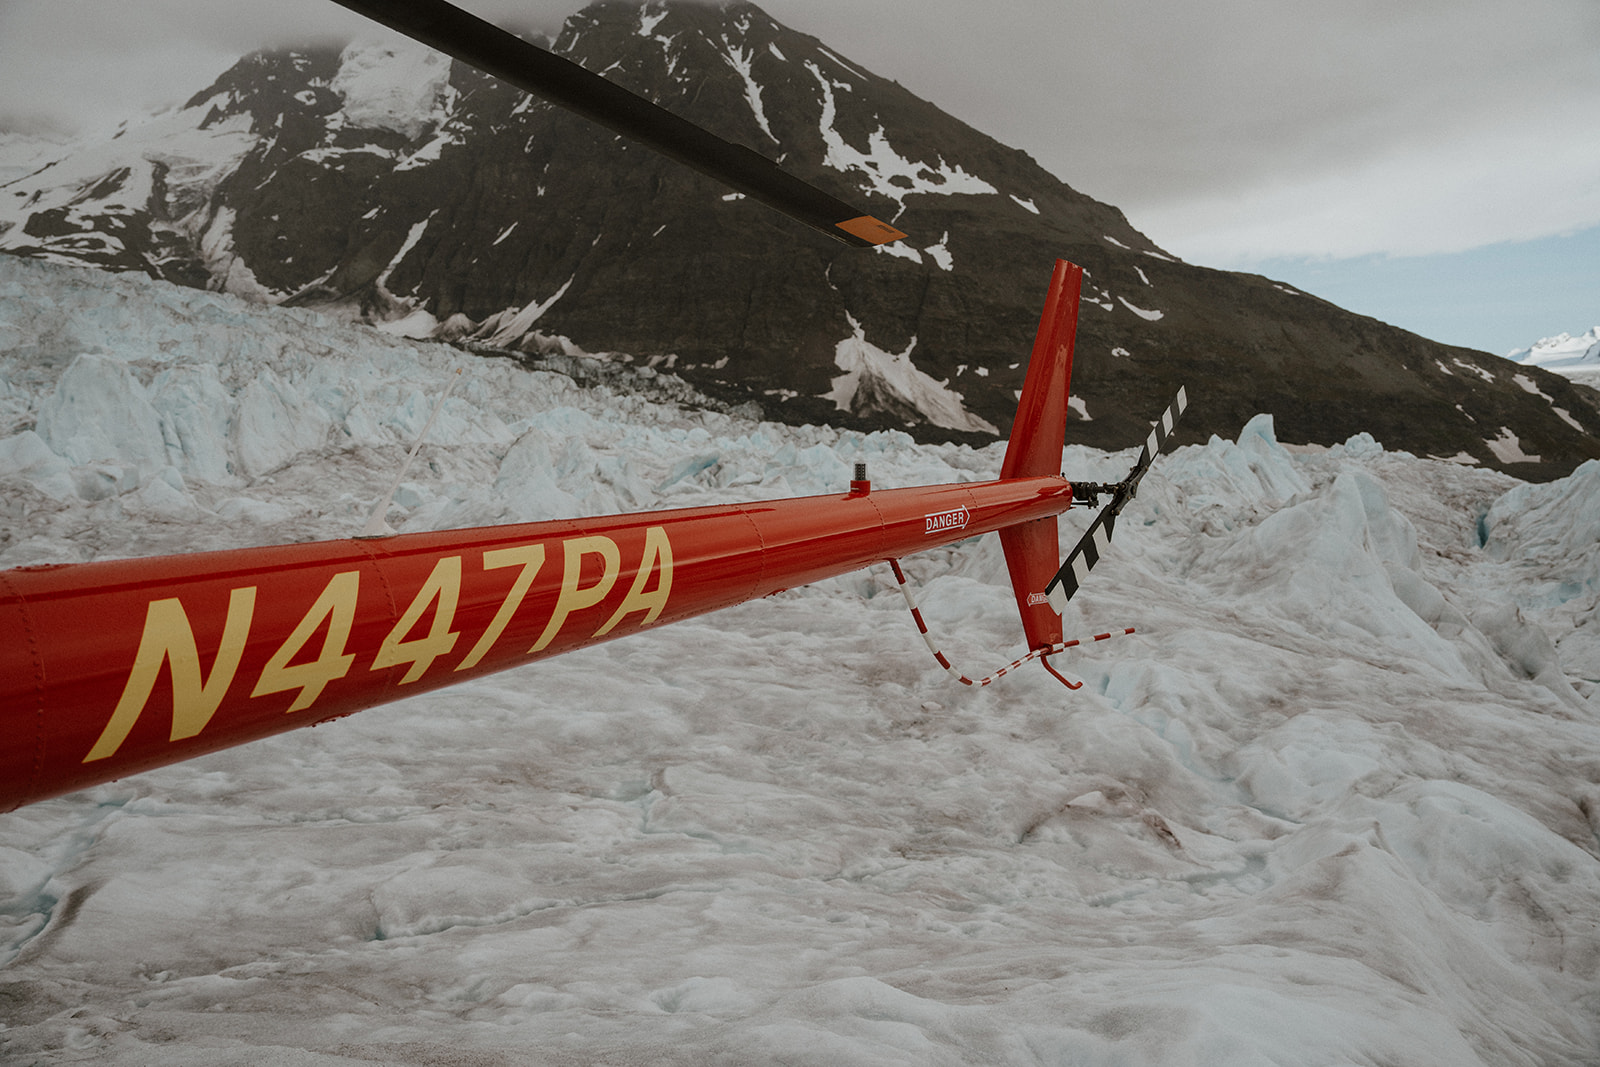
[[530, 558], [168, 638], [336, 606], [657, 556], [573, 596], [444, 586]]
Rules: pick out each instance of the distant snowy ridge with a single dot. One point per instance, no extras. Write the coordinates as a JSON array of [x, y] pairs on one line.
[[1576, 357]]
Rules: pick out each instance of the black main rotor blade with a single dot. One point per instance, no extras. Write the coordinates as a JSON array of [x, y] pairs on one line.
[[494, 51]]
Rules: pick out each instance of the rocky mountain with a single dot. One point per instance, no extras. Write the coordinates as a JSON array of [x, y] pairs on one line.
[[389, 184]]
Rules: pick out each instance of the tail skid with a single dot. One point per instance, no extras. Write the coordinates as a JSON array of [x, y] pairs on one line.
[[1041, 654]]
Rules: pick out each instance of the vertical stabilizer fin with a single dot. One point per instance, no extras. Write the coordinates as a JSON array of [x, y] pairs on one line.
[[1041, 424], [1032, 549]]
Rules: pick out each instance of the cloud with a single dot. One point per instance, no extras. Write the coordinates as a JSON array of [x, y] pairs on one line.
[[1494, 182], [1234, 128], [88, 63]]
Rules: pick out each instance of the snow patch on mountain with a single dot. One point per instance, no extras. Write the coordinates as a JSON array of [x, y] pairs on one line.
[[1143, 313], [878, 381], [938, 253], [399, 86], [1507, 448], [443, 138], [840, 61], [887, 172], [413, 235], [1528, 385], [228, 270], [742, 59], [649, 20], [503, 333]]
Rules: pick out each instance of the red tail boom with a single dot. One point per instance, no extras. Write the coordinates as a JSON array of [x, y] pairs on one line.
[[115, 667]]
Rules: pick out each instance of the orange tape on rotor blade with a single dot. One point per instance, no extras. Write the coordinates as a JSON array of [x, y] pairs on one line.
[[870, 230]]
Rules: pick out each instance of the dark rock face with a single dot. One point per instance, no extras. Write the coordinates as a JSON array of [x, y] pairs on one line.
[[479, 202]]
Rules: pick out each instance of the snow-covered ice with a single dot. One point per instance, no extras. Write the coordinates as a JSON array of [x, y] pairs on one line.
[[1338, 801]]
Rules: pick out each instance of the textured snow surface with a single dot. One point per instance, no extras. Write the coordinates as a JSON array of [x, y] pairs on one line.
[[1336, 802]]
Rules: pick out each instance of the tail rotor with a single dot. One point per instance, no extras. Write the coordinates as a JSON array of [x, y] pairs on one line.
[[1097, 538]]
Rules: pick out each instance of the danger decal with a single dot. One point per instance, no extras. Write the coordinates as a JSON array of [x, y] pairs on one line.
[[943, 521]]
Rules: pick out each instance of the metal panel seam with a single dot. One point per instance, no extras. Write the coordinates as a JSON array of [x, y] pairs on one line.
[[761, 575]]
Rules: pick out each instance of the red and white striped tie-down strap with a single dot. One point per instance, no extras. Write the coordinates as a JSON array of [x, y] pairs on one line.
[[1040, 654]]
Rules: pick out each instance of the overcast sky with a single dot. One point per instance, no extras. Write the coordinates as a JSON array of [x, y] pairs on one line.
[[1312, 141]]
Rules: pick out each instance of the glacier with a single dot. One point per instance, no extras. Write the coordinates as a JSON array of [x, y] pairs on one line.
[[1337, 800]]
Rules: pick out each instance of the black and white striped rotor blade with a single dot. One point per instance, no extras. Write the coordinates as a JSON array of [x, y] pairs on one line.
[[1161, 433], [1084, 555], [1097, 538]]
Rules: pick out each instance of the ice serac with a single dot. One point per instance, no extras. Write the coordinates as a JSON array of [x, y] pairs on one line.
[[98, 412], [302, 177]]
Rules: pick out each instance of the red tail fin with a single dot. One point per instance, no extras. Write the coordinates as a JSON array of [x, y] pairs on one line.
[[1037, 435]]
